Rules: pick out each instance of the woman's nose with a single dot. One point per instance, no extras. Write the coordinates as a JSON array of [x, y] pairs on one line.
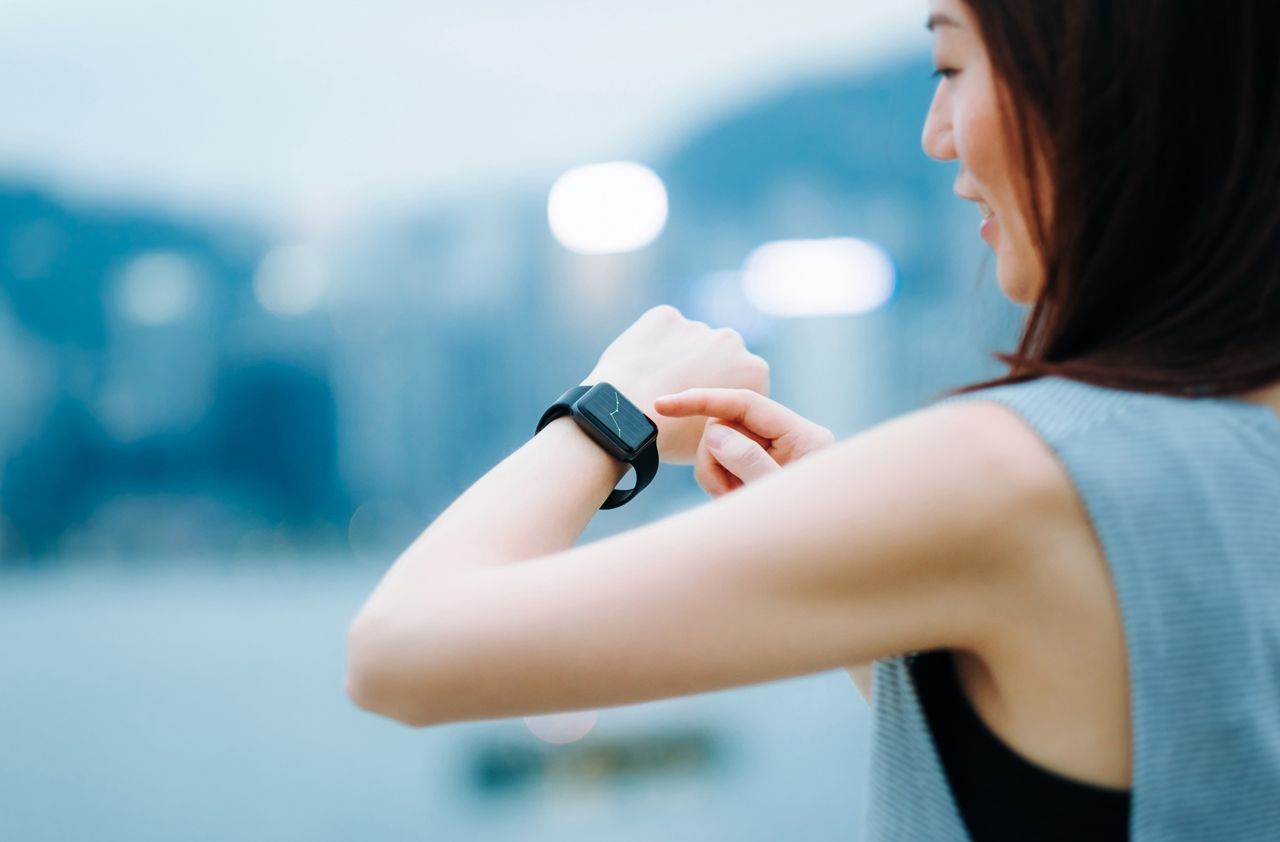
[[936, 138]]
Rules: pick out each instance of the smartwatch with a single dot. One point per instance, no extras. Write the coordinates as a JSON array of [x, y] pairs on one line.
[[617, 425]]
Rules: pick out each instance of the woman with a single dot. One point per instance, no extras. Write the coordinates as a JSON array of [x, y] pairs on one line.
[[1068, 577]]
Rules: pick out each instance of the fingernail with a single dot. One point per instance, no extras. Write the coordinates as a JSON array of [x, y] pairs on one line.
[[716, 434]]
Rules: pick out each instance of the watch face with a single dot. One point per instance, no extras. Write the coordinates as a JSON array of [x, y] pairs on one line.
[[617, 416]]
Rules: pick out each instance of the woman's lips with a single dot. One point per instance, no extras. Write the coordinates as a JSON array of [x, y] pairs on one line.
[[988, 227]]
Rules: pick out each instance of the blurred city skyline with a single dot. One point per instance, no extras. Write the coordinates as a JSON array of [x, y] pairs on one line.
[[257, 262], [181, 386]]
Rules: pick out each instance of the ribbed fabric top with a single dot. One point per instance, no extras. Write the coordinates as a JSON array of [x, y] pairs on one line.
[[1184, 496]]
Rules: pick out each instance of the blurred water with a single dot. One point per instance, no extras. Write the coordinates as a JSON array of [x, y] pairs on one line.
[[202, 702]]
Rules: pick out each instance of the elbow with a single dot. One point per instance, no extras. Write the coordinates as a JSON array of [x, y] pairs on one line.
[[375, 679]]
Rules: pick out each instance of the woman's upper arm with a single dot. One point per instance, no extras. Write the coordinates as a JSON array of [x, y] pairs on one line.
[[901, 538]]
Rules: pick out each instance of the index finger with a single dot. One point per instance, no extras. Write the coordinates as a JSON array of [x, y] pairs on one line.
[[742, 406]]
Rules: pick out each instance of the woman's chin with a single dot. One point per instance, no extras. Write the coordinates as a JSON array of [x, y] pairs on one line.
[[1016, 285]]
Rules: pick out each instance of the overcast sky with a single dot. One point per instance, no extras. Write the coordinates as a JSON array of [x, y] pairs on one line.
[[296, 109]]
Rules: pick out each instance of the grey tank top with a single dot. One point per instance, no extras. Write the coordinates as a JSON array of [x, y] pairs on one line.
[[1184, 496]]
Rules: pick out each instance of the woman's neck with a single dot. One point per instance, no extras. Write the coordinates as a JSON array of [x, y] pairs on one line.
[[1266, 395]]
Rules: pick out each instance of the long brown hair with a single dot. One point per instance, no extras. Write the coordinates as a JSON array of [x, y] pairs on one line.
[[1159, 123]]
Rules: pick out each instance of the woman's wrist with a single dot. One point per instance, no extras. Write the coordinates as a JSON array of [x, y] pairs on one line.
[[567, 430]]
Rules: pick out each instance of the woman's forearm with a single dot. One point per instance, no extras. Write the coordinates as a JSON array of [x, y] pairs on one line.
[[532, 505], [535, 502]]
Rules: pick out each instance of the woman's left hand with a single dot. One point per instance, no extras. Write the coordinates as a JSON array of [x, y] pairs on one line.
[[663, 353]]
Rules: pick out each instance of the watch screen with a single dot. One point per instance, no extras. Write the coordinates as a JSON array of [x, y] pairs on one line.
[[617, 415]]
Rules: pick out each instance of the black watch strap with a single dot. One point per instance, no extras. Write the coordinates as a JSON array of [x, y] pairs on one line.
[[644, 463], [645, 466]]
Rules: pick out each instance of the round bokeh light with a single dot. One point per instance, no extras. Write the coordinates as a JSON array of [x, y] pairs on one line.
[[607, 208], [834, 276]]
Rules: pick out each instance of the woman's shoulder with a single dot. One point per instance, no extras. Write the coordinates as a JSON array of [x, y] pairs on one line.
[[985, 463], [1006, 438], [1011, 470]]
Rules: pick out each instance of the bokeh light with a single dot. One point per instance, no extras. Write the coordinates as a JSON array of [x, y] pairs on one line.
[[833, 276], [291, 280], [158, 288], [607, 208]]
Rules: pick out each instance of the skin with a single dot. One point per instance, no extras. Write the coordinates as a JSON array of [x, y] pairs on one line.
[[964, 124], [950, 527]]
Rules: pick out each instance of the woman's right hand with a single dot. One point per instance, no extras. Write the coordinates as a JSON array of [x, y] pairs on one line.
[[747, 435]]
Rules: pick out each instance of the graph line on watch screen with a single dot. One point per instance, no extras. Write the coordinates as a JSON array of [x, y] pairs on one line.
[[622, 419], [617, 403]]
